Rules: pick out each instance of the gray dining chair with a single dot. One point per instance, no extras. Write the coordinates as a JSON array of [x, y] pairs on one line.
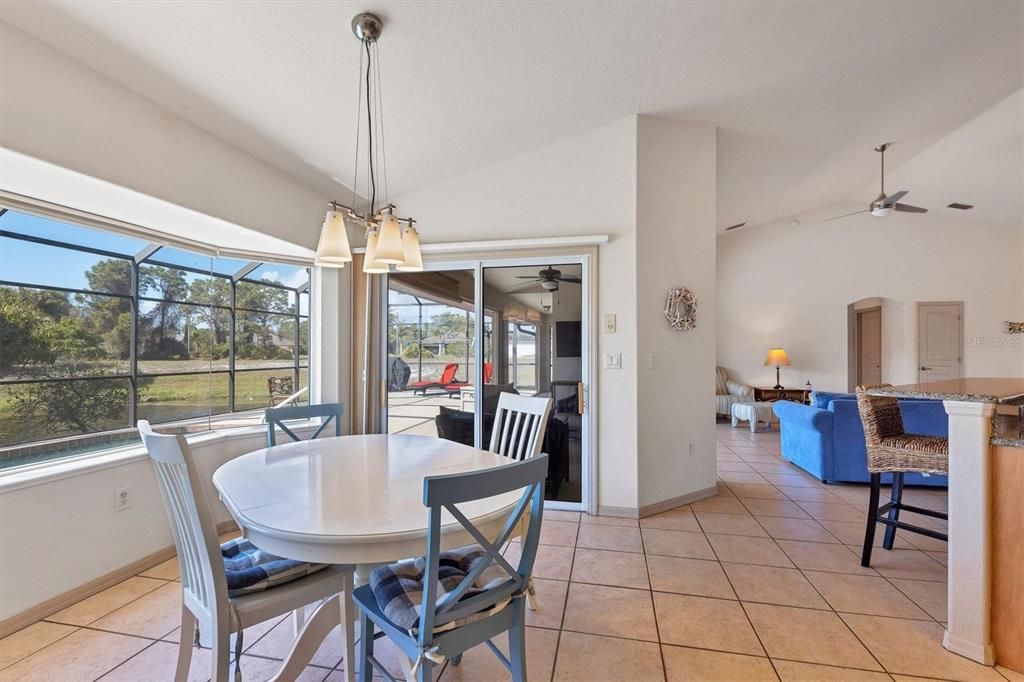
[[444, 625], [276, 417], [206, 603]]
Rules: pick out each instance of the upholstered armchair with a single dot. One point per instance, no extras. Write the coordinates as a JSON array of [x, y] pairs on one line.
[[729, 392]]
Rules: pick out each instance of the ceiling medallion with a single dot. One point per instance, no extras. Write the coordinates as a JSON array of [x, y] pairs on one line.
[[390, 239]]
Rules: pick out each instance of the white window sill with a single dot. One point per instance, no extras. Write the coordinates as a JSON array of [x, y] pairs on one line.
[[45, 472]]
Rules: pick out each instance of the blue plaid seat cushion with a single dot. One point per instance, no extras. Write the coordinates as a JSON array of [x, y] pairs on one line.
[[250, 569], [398, 588]]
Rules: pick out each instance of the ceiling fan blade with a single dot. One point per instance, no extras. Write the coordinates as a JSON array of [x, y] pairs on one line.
[[525, 287], [907, 208], [845, 215], [893, 198], [529, 277], [570, 278]]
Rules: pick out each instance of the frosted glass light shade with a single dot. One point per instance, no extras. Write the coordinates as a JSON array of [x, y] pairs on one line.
[[389, 241], [371, 265], [411, 247], [776, 357], [332, 251]]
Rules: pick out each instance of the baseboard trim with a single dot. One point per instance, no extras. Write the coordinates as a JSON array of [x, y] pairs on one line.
[[618, 512], [976, 651], [51, 606], [665, 505]]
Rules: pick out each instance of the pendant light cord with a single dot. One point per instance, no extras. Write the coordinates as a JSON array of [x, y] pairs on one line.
[[369, 132], [380, 124], [359, 118]]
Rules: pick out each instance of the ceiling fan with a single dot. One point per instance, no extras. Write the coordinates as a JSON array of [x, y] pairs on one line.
[[549, 279], [884, 204]]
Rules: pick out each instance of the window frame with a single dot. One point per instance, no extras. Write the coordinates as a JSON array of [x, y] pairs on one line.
[[149, 255]]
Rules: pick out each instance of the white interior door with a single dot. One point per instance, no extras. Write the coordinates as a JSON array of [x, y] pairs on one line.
[[869, 347], [939, 341]]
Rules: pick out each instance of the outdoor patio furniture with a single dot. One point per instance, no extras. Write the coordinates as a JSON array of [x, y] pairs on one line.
[[280, 389], [447, 383]]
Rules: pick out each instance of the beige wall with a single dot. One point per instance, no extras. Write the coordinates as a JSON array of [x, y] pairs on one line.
[[675, 247], [58, 110], [581, 186], [790, 287], [650, 185]]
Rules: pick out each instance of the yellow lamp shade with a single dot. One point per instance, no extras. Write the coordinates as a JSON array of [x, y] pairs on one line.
[[371, 265], [332, 251], [411, 248], [776, 357], [389, 241]]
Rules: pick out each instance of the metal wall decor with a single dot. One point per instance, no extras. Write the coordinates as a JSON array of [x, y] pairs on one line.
[[1014, 327], [681, 309]]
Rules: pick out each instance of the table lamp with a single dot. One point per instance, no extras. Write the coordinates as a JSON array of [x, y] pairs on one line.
[[777, 357]]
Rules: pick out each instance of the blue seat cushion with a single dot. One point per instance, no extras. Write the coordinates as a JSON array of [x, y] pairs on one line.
[[250, 569], [398, 588]]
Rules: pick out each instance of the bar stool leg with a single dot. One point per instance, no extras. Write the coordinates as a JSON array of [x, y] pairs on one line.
[[869, 532], [894, 511]]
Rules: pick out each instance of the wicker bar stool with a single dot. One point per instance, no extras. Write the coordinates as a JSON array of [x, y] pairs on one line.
[[892, 450]]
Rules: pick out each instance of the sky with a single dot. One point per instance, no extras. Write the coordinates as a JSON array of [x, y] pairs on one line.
[[30, 263]]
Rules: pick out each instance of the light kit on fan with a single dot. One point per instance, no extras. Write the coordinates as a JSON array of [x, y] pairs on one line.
[[390, 239]]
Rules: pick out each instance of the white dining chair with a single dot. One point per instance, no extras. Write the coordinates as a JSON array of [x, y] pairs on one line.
[[518, 433], [519, 426], [205, 599]]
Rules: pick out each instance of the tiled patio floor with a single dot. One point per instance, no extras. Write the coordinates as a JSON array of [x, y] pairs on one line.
[[760, 583]]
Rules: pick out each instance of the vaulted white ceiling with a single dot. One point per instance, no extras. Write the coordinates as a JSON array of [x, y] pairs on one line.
[[801, 91]]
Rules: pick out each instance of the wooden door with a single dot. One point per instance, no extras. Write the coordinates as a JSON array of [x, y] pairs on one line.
[[939, 341], [869, 346]]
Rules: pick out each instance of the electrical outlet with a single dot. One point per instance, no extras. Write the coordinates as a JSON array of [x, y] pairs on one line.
[[122, 499], [609, 323]]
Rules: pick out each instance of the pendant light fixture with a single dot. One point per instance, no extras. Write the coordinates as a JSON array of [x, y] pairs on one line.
[[390, 239]]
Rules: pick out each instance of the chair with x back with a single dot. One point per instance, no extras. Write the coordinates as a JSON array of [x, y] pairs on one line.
[[438, 606], [519, 425], [223, 602], [276, 416]]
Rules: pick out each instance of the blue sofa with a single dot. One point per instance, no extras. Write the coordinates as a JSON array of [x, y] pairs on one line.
[[826, 438]]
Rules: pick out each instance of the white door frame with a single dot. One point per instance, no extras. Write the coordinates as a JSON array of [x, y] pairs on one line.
[[587, 348]]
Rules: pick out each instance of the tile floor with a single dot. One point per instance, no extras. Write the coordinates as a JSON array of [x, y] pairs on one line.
[[762, 582]]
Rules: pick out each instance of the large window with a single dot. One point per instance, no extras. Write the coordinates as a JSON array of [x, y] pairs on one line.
[[98, 330]]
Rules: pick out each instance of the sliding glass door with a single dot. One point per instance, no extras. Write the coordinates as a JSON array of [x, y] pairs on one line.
[[461, 334]]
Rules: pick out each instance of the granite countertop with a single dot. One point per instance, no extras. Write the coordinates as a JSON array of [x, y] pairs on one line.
[[1008, 430], [974, 390]]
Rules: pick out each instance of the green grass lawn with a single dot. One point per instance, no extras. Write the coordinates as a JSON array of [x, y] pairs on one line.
[[161, 399]]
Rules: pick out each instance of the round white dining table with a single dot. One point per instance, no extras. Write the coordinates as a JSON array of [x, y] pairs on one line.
[[350, 500]]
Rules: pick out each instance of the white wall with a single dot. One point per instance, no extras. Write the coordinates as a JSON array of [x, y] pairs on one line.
[[584, 185], [650, 185], [675, 370], [790, 287], [58, 110], [63, 533]]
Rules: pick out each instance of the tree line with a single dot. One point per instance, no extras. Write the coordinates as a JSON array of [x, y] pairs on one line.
[[62, 335]]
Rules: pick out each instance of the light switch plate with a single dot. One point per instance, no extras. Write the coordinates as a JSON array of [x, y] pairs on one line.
[[613, 360], [609, 323]]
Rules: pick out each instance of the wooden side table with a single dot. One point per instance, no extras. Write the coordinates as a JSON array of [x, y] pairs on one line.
[[796, 395]]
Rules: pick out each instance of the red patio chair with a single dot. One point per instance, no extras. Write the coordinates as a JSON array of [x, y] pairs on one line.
[[447, 380]]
